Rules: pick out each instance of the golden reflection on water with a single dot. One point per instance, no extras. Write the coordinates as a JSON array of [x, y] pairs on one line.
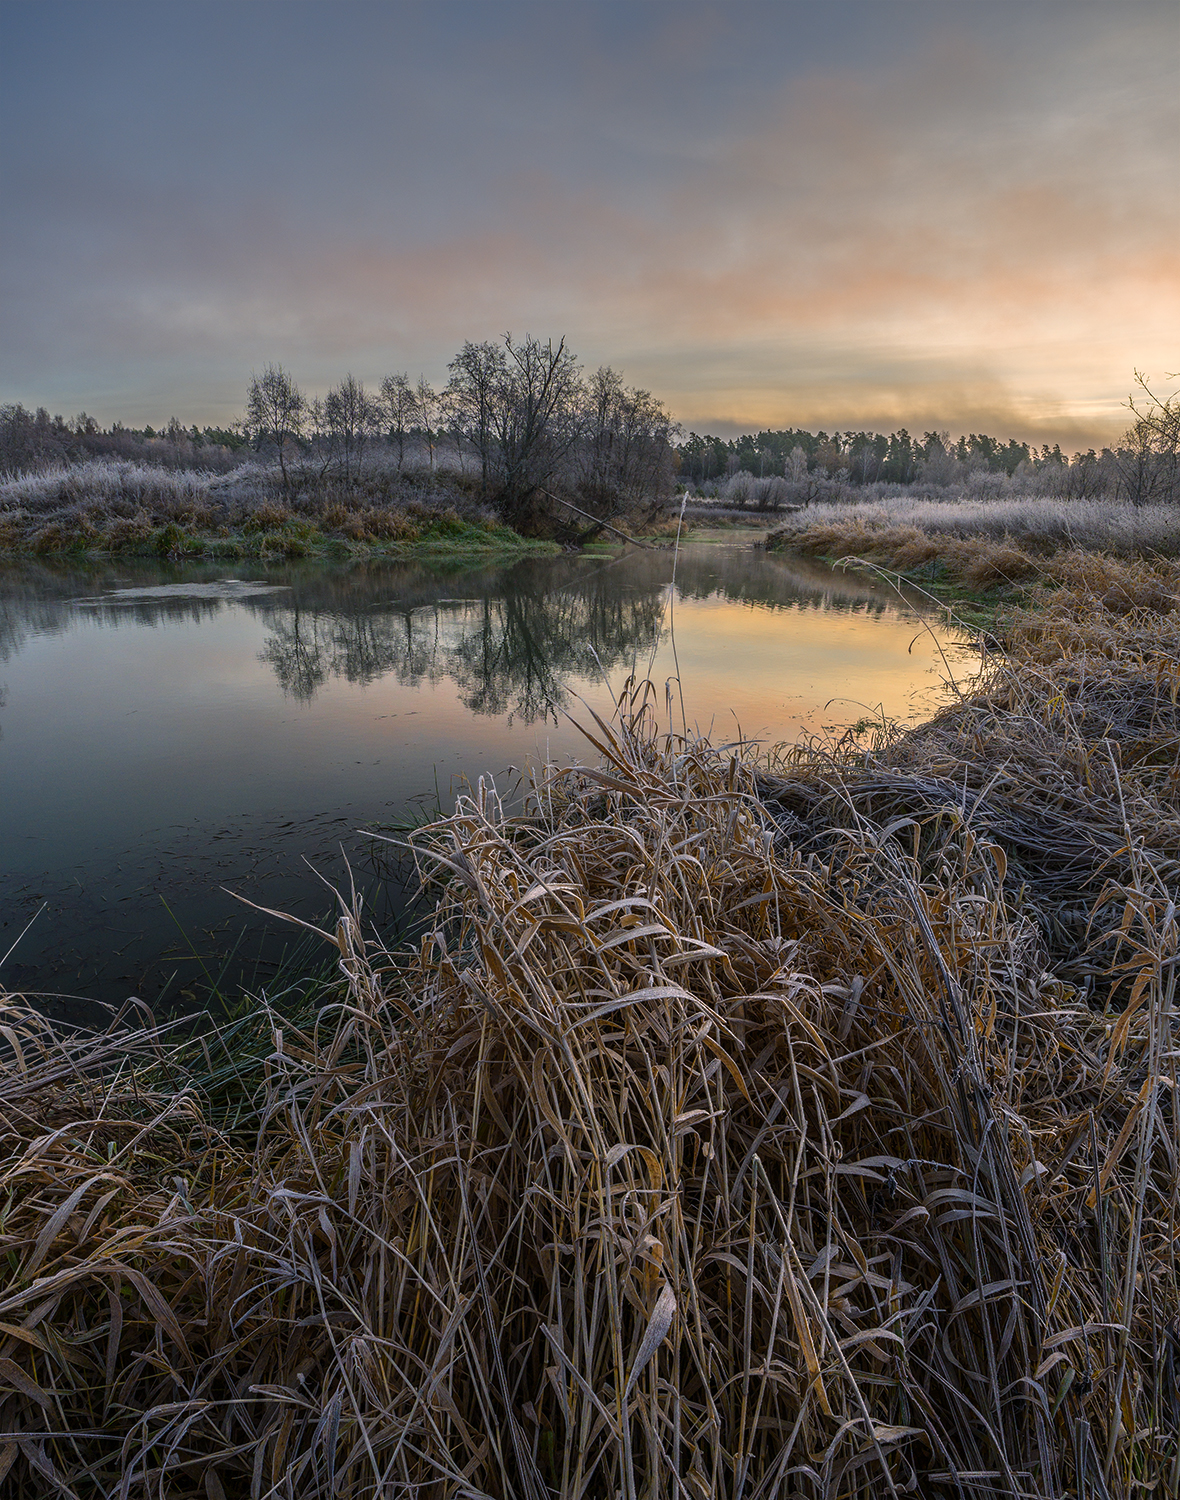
[[781, 678], [766, 648], [185, 742]]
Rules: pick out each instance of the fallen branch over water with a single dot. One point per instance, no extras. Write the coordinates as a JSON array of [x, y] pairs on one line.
[[728, 1134]]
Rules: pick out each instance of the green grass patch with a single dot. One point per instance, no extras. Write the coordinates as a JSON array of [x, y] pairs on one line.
[[449, 535]]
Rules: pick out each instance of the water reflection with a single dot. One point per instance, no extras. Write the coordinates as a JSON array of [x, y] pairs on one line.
[[509, 650], [512, 646], [173, 732], [509, 639]]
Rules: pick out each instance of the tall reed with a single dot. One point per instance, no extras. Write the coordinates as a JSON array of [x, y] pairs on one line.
[[1039, 524], [731, 1131]]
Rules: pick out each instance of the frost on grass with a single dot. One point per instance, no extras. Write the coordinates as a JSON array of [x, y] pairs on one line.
[[1035, 524], [731, 1130], [119, 506]]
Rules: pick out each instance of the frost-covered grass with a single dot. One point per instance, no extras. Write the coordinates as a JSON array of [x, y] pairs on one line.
[[733, 1131], [108, 483], [121, 506], [1034, 523]]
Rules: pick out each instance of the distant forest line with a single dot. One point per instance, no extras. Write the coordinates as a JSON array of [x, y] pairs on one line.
[[861, 457], [528, 419], [31, 439]]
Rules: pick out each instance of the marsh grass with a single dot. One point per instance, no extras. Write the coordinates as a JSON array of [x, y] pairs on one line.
[[1021, 569], [1034, 525], [122, 507], [732, 1130]]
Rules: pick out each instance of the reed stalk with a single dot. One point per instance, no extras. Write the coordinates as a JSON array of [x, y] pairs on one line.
[[734, 1130]]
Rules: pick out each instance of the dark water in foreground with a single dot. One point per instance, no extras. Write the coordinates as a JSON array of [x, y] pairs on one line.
[[166, 732]]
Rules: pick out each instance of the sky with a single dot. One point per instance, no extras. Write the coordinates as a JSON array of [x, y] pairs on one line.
[[942, 214]]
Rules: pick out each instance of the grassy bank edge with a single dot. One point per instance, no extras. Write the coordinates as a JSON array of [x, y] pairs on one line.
[[882, 1120], [448, 538], [987, 580]]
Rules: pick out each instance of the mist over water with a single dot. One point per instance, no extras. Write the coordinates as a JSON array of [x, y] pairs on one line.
[[171, 733]]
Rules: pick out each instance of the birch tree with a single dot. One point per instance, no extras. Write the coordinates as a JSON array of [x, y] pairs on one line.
[[276, 410]]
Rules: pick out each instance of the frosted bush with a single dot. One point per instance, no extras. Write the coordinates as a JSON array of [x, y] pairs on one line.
[[1108, 525]]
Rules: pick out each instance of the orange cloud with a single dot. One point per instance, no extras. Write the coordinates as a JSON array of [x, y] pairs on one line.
[[966, 240]]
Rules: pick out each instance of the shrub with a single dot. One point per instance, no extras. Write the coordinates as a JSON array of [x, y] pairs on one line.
[[392, 525], [267, 516], [169, 540], [53, 537], [448, 522], [124, 533]]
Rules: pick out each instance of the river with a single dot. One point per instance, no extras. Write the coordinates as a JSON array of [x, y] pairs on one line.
[[170, 735]]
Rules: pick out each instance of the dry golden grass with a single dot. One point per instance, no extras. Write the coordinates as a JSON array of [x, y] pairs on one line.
[[979, 562], [1038, 524], [984, 563], [730, 1133]]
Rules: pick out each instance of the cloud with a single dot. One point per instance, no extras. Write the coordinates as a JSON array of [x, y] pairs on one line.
[[976, 234]]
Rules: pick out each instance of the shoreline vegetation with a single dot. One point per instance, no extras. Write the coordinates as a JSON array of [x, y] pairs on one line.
[[988, 560], [520, 443], [106, 508], [736, 1126]]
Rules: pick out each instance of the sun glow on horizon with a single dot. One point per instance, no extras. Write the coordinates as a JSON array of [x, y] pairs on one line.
[[870, 216]]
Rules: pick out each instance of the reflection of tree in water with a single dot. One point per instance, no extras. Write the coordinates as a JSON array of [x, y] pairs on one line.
[[299, 653], [514, 657], [510, 642], [306, 647], [519, 635], [778, 581], [508, 650]]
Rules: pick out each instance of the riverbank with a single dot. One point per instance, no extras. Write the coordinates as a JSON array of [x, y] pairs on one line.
[[732, 1125], [1040, 527], [128, 510], [277, 536], [989, 575]]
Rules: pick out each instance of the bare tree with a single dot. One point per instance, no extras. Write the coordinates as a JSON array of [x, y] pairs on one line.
[[320, 436], [351, 416], [539, 428], [540, 420], [1149, 458], [522, 409], [427, 411], [29, 440], [451, 421], [626, 448], [478, 375], [400, 407], [276, 410]]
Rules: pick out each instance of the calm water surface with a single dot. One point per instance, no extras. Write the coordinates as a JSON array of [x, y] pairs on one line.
[[166, 732]]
